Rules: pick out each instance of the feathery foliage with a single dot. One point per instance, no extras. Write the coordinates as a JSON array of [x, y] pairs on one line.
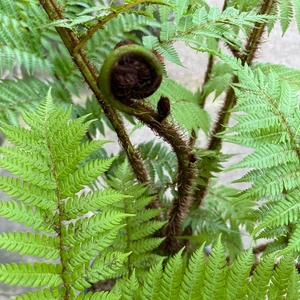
[[136, 220], [47, 160]]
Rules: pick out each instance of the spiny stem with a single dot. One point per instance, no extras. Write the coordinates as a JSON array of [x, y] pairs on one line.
[[166, 130], [71, 41]]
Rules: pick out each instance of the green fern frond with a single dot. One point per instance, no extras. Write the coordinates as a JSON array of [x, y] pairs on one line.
[[268, 156], [136, 235], [285, 212], [30, 244], [19, 95], [294, 241], [184, 107], [106, 265], [44, 190], [80, 205], [215, 274], [130, 287], [296, 5], [117, 29], [193, 279], [280, 278], [97, 296], [259, 284], [152, 285], [293, 285], [38, 274], [286, 14], [172, 277], [36, 218], [53, 294], [238, 276]]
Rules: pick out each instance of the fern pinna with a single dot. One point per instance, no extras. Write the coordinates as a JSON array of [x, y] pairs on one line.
[[51, 176]]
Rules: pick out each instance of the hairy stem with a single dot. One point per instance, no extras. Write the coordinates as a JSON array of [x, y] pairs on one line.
[[251, 47], [166, 130], [71, 41]]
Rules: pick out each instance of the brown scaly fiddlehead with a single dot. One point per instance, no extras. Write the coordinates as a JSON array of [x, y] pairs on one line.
[[130, 73]]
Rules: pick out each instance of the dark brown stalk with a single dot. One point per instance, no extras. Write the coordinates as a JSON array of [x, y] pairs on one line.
[[71, 41], [144, 69], [251, 47]]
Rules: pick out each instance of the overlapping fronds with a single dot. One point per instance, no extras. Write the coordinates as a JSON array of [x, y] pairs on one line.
[[200, 27], [211, 278], [49, 162], [219, 216], [136, 235], [117, 29], [162, 166], [269, 122]]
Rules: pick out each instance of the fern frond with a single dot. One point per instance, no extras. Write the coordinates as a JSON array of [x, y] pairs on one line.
[[130, 287], [286, 14], [37, 274], [294, 241], [44, 171], [184, 107], [238, 276], [117, 29], [152, 285], [30, 244], [106, 266], [37, 218], [296, 5], [172, 277], [280, 278], [293, 285], [97, 296], [193, 279], [80, 205], [259, 284], [84, 175], [28, 193], [285, 212], [215, 273], [50, 294]]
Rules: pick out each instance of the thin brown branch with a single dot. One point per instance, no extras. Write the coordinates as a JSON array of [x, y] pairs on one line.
[[71, 41], [253, 42]]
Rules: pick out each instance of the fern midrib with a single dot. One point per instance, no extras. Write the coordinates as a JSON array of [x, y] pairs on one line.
[[60, 217]]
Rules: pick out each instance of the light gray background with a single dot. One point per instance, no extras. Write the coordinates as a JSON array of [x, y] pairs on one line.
[[275, 49]]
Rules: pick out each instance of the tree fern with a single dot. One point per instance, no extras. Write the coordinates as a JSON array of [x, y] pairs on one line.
[[46, 188]]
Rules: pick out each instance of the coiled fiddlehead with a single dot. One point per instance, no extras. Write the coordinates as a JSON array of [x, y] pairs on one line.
[[130, 73]]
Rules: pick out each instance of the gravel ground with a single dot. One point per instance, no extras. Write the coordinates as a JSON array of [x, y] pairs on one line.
[[276, 49]]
